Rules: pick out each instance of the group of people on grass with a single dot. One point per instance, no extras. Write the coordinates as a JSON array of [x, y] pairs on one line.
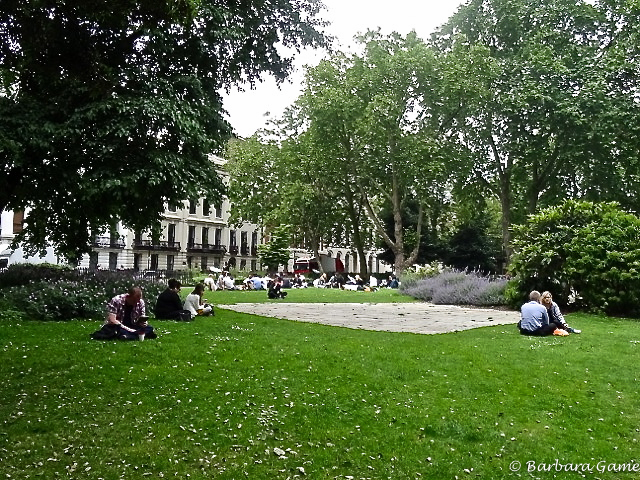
[[170, 307], [541, 316], [127, 316]]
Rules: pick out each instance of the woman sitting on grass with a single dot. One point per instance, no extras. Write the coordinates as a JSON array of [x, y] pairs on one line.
[[194, 303], [554, 313]]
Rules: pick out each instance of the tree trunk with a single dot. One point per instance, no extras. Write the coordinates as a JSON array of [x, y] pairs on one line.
[[356, 234]]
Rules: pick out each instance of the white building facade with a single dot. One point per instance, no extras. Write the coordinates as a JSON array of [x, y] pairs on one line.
[[194, 235]]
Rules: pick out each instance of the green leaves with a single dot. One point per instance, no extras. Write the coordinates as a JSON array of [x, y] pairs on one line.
[[107, 113], [588, 250]]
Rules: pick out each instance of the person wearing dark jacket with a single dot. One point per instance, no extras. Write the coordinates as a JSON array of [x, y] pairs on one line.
[[169, 306]]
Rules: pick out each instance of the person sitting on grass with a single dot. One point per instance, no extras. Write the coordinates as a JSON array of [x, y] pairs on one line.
[[227, 282], [275, 289], [194, 304], [555, 316], [210, 282], [169, 306], [126, 314], [535, 319]]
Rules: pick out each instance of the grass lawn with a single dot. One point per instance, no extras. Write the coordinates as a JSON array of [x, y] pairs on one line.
[[304, 295], [238, 396]]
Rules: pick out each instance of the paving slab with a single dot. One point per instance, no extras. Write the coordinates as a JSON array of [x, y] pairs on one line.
[[424, 318]]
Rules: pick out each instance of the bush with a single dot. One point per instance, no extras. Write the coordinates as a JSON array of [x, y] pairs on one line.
[[84, 297], [581, 250], [455, 287], [25, 273]]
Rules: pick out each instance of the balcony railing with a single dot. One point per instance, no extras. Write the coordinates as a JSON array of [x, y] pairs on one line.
[[207, 248], [108, 242], [159, 245]]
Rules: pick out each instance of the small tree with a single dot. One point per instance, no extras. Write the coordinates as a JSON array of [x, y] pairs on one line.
[[582, 249], [275, 252]]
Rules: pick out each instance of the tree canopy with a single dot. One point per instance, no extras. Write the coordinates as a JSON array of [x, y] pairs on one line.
[[109, 111]]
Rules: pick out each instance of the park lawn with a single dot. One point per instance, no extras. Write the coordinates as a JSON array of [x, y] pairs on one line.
[[305, 295], [242, 396]]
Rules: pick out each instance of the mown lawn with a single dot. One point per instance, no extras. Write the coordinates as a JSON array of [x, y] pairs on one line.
[[239, 396], [305, 295]]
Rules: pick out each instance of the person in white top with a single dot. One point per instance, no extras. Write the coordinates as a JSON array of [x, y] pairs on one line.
[[194, 302], [228, 283], [210, 282]]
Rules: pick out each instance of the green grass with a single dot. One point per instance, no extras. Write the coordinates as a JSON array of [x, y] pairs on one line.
[[213, 398], [305, 295]]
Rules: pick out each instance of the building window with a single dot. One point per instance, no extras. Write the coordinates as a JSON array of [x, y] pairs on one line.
[[172, 207], [193, 204], [206, 208], [18, 221], [218, 237], [136, 262], [171, 233], [113, 261], [205, 236], [254, 264], [93, 261], [192, 236], [218, 211], [154, 262], [243, 264], [244, 245], [203, 264], [232, 238], [170, 263]]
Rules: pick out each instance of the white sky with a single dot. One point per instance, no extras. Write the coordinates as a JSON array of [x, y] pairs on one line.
[[249, 110]]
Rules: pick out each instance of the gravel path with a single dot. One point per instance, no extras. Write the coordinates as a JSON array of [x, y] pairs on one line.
[[423, 318]]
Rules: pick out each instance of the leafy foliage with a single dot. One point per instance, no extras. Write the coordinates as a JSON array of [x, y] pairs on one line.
[[582, 250], [116, 117], [47, 293], [547, 101], [276, 251]]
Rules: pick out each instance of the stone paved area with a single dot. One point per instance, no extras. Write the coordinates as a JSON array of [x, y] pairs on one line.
[[423, 318]]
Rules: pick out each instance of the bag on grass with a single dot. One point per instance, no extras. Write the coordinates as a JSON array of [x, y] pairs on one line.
[[107, 332]]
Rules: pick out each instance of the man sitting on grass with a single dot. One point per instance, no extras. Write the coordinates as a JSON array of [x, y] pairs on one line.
[[535, 319], [128, 313], [169, 306]]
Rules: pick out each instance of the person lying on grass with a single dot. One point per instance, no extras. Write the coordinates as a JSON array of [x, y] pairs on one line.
[[126, 314]]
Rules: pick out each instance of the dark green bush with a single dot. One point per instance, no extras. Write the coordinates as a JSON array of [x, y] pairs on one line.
[[25, 273], [584, 253], [83, 297]]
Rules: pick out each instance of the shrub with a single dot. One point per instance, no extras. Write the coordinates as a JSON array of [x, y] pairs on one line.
[[411, 277], [82, 298], [581, 249], [25, 273], [455, 287]]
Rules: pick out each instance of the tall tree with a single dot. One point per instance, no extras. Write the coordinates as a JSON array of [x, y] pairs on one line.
[[534, 121], [273, 184], [377, 115], [108, 112]]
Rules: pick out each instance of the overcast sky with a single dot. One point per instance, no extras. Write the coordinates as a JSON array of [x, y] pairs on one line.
[[248, 109]]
